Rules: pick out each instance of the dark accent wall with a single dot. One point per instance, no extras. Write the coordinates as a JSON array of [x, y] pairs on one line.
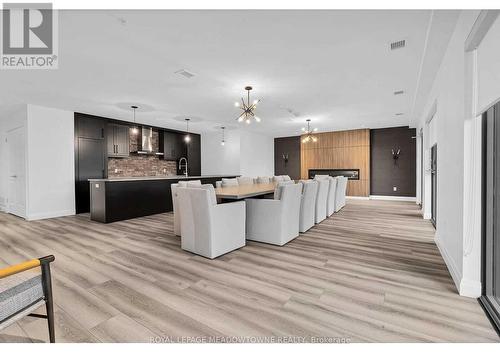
[[291, 147], [386, 172]]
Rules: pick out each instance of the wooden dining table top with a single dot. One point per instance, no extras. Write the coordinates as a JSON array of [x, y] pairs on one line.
[[244, 191]]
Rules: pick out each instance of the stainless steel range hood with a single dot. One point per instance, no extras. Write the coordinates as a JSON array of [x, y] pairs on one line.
[[145, 142]]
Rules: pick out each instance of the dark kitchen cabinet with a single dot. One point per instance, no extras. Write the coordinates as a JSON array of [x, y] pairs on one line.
[[88, 126], [173, 145], [194, 155], [90, 156], [111, 200], [118, 140]]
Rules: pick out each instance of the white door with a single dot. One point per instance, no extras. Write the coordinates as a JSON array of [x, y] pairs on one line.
[[16, 203]]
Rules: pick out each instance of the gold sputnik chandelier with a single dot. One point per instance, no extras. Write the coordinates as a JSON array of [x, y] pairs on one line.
[[248, 108], [308, 133]]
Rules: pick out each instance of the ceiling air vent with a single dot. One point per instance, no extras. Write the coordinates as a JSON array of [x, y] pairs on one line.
[[398, 114], [399, 92], [185, 73], [398, 44]]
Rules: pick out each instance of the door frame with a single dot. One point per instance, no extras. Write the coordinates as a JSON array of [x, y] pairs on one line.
[[433, 185], [420, 135], [490, 304], [8, 148]]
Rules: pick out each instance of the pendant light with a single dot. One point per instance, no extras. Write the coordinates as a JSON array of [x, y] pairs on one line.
[[248, 108], [187, 138], [308, 133], [135, 129], [223, 142]]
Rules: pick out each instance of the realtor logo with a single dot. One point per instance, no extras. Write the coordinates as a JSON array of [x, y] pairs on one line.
[[29, 36]]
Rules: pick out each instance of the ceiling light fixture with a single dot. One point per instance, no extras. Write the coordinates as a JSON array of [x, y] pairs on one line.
[[135, 129], [308, 133], [223, 141], [248, 109], [187, 138]]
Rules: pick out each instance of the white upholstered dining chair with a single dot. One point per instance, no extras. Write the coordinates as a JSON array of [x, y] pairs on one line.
[[321, 199], [332, 192], [227, 182], [263, 179], [307, 205], [281, 178], [275, 221], [210, 229], [175, 204], [340, 193], [245, 181]]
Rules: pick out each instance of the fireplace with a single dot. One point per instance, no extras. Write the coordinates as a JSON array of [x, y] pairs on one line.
[[351, 174]]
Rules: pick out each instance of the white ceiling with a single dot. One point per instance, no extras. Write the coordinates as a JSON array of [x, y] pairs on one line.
[[334, 67]]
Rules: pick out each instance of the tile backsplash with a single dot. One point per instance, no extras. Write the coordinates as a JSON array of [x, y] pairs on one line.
[[141, 165]]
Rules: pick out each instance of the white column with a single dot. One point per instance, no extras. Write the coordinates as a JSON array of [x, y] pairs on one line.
[[470, 284]]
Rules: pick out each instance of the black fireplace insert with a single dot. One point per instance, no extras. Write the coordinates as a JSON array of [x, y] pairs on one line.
[[351, 174]]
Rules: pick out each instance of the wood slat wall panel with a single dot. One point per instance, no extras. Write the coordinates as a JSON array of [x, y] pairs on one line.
[[348, 149]]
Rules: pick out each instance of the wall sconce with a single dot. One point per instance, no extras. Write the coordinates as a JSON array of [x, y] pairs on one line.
[[285, 157], [395, 154]]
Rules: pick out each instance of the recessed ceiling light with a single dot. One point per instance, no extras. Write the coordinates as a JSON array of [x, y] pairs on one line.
[[399, 92], [396, 45], [185, 73]]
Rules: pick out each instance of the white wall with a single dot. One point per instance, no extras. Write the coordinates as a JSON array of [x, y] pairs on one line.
[[50, 171], [449, 98], [257, 155], [217, 159], [10, 118], [245, 153], [51, 158]]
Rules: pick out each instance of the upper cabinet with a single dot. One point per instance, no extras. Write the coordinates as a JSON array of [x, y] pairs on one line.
[[118, 140], [90, 127], [173, 145]]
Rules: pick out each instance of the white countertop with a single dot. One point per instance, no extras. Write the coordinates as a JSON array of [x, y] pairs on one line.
[[178, 177]]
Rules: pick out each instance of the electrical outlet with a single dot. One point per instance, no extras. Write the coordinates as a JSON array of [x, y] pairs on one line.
[[394, 188], [116, 171]]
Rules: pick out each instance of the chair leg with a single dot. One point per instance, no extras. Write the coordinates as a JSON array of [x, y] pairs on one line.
[[49, 305], [50, 319]]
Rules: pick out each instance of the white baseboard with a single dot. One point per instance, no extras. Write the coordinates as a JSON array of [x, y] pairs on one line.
[[456, 274], [470, 288], [46, 215], [393, 198], [357, 197]]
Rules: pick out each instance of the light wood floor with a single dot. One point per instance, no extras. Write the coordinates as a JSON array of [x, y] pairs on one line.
[[369, 273]]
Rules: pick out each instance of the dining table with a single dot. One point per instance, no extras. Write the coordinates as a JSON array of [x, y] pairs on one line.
[[244, 191]]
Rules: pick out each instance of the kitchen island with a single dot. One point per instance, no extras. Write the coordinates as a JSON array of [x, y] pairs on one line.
[[121, 198]]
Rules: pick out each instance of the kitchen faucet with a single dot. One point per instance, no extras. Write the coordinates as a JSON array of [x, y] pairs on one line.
[[185, 165]]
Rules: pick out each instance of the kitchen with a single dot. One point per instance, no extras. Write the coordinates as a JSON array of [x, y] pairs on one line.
[[119, 162]]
